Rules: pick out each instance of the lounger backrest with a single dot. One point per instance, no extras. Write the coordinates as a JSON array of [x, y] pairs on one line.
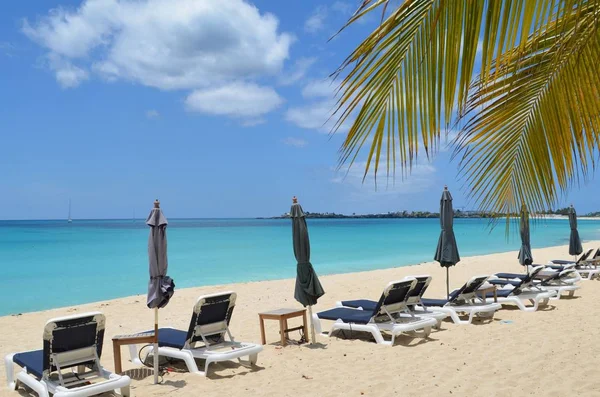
[[557, 275], [532, 274], [394, 296], [211, 317], [468, 290], [585, 255], [414, 296], [73, 340]]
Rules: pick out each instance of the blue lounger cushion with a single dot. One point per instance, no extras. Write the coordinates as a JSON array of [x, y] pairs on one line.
[[562, 262], [366, 304], [511, 275], [434, 302], [506, 282], [501, 293], [33, 361], [347, 315], [170, 337]]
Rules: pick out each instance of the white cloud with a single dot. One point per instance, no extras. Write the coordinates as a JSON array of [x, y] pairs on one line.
[[317, 115], [253, 122], [447, 140], [7, 48], [319, 88], [246, 100], [297, 72], [420, 179], [167, 44], [316, 21], [67, 75], [152, 114], [343, 7], [295, 142], [312, 116]]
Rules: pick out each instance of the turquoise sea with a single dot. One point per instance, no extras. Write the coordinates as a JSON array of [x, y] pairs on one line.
[[48, 264]]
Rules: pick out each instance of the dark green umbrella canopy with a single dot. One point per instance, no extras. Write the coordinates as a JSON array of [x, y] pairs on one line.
[[525, 257], [308, 287], [160, 286], [575, 247], [447, 251]]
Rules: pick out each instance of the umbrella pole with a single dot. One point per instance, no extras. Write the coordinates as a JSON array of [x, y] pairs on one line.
[[155, 345], [448, 282], [312, 326]]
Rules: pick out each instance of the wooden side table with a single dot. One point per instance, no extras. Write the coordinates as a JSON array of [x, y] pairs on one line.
[[283, 315], [121, 340]]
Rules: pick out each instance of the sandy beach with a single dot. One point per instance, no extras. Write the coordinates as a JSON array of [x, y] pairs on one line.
[[547, 353]]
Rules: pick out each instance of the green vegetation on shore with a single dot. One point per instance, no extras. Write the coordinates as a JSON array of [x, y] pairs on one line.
[[424, 214]]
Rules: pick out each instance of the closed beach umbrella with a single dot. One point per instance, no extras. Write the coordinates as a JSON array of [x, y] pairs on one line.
[[308, 287], [447, 251], [575, 247], [160, 286], [525, 257]]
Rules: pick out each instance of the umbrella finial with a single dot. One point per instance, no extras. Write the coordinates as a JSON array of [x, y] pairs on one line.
[[294, 200], [445, 187], [156, 203]]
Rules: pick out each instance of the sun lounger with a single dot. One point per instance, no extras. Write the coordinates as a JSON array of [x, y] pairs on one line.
[[412, 302], [69, 342], [463, 300], [522, 291], [586, 265], [386, 316], [560, 264], [552, 280], [206, 336]]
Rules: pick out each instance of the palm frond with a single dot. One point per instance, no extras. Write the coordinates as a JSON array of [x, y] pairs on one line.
[[533, 129], [412, 77]]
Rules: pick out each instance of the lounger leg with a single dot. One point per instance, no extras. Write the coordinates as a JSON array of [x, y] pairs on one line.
[[421, 334], [206, 366], [253, 358], [454, 316], [37, 386], [187, 358], [125, 392], [133, 355], [10, 371], [522, 306], [317, 324], [378, 337]]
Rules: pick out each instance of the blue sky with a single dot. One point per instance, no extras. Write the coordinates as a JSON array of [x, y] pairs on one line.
[[216, 108]]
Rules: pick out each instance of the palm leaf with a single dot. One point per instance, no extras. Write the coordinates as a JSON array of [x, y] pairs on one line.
[[411, 78], [533, 129]]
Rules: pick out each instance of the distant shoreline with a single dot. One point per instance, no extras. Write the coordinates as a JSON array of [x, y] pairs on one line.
[[426, 215]]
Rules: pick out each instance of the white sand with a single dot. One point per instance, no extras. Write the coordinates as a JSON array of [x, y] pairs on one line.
[[547, 353]]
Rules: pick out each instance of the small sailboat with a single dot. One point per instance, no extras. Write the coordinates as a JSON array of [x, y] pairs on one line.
[[69, 218]]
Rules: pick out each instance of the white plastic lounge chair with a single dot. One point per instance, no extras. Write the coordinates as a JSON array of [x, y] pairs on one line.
[[413, 302], [464, 300], [586, 265], [72, 341], [560, 262], [380, 319], [523, 291], [205, 337], [551, 280]]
